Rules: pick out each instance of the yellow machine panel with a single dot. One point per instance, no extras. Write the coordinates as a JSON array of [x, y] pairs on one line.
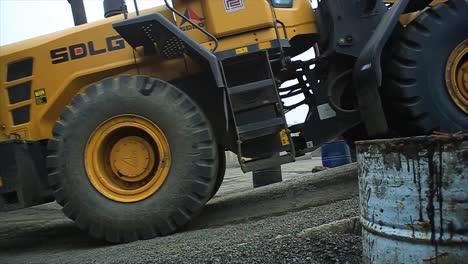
[[239, 17], [66, 62], [194, 12], [61, 64]]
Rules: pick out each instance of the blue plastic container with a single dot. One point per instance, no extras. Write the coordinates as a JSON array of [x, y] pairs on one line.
[[335, 154]]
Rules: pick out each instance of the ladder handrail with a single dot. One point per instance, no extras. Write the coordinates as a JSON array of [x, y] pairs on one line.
[[195, 25]]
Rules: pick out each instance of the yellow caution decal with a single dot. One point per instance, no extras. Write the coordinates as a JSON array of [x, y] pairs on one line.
[[264, 45], [242, 50], [284, 137]]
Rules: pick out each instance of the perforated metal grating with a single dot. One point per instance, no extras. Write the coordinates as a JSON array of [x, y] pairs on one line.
[[149, 32], [169, 46], [173, 47]]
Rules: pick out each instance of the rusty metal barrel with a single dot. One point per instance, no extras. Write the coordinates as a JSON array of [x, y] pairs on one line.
[[414, 199]]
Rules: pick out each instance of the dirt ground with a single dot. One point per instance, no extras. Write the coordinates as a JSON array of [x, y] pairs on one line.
[[240, 225]]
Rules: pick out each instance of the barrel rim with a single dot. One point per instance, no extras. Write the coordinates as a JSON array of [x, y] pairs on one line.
[[403, 234], [451, 138]]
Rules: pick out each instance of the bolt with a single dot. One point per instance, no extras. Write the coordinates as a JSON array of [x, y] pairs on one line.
[[346, 41]]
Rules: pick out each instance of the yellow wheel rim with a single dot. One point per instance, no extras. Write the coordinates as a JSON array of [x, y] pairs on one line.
[[127, 158], [456, 76]]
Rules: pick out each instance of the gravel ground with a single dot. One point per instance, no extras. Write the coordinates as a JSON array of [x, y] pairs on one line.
[[236, 181], [266, 225], [269, 240]]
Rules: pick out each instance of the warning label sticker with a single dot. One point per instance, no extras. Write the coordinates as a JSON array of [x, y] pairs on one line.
[[40, 96], [284, 137], [233, 5]]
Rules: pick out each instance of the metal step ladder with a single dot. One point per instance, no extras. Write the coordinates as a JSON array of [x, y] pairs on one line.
[[263, 138]]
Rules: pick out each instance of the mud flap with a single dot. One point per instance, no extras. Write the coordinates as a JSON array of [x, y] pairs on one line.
[[23, 175]]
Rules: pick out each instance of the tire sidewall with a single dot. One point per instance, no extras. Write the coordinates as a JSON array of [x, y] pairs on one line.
[[430, 74], [180, 133]]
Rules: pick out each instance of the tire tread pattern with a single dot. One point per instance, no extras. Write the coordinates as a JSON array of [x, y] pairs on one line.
[[201, 183], [407, 111]]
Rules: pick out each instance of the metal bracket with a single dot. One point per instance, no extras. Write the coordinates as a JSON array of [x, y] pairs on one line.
[[367, 72]]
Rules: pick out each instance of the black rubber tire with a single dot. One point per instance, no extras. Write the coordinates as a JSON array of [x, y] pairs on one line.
[[186, 189], [414, 92], [266, 177], [221, 171]]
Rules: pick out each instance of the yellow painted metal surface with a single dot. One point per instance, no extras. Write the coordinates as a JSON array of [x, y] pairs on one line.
[[264, 45], [99, 52], [61, 81], [242, 50], [405, 19], [193, 10], [132, 158], [284, 138], [3, 134], [299, 19], [121, 161], [456, 76], [228, 19]]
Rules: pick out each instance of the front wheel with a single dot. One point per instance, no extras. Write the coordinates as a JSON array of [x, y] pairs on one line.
[[132, 158], [426, 79]]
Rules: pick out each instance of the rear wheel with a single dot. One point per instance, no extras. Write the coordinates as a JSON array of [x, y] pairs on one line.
[[426, 80], [132, 158]]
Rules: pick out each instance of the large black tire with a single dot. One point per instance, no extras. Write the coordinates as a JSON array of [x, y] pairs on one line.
[[414, 91], [192, 174]]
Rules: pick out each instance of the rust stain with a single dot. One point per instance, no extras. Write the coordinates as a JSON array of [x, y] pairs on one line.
[[430, 163], [417, 182], [424, 226]]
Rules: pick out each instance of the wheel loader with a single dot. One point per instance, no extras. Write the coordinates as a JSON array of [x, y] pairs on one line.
[[124, 121]]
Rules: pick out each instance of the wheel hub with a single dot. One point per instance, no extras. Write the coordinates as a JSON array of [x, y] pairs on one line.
[[456, 76], [132, 158], [127, 158]]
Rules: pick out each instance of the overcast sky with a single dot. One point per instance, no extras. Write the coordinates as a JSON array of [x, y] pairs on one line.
[[24, 19]]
